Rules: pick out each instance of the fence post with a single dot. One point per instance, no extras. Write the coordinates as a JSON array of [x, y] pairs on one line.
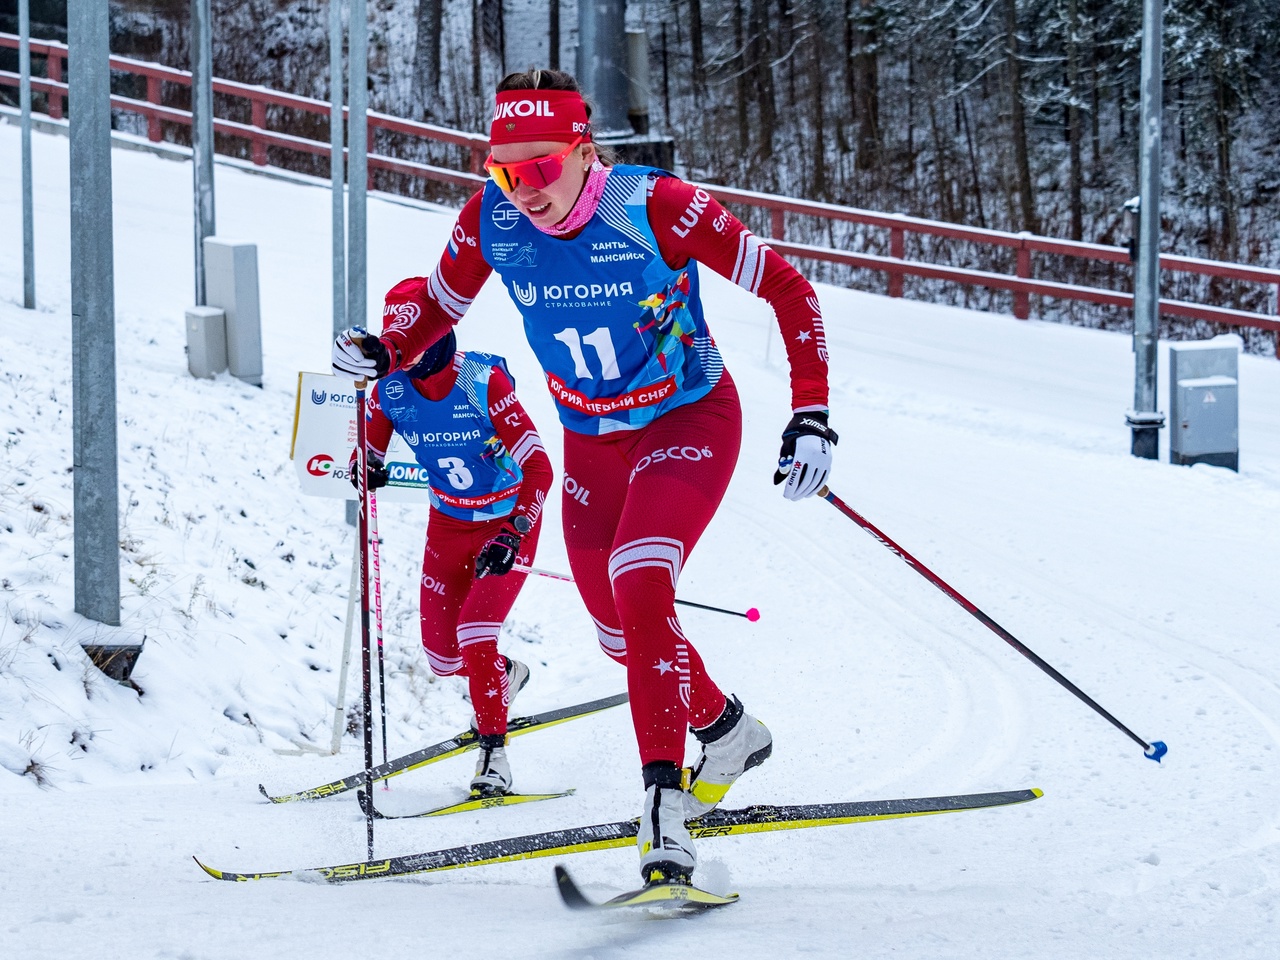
[[1022, 299], [368, 149], [477, 161], [898, 250], [779, 226], [153, 122], [53, 70], [258, 117]]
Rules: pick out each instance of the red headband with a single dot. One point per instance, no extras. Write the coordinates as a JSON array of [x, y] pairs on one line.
[[526, 116]]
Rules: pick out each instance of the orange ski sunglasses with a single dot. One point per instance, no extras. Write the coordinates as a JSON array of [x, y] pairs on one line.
[[538, 172]]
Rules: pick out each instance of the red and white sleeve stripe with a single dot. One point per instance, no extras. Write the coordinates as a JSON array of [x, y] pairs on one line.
[[528, 444], [450, 301], [748, 269]]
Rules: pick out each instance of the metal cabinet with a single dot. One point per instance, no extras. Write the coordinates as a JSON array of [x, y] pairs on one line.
[[1204, 402]]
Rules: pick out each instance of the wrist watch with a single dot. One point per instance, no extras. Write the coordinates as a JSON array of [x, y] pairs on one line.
[[521, 523]]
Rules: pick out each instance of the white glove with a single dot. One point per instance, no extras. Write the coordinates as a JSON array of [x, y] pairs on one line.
[[805, 459], [809, 468], [360, 356]]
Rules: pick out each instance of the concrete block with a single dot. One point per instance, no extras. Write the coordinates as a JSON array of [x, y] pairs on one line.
[[231, 282], [206, 341]]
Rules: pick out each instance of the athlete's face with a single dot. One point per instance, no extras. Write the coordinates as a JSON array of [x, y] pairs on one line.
[[547, 205]]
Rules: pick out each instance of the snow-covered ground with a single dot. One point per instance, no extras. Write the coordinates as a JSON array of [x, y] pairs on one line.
[[994, 450]]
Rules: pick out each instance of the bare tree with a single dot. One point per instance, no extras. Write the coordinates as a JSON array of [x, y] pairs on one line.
[[1075, 128], [553, 34], [698, 57], [761, 69], [425, 86], [1018, 119], [864, 94]]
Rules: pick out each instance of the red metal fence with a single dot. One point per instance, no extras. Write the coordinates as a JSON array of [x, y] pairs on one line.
[[1022, 283], [259, 98]]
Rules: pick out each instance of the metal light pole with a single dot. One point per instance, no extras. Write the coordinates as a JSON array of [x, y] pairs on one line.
[[1144, 419], [602, 58], [336, 165], [202, 134], [28, 206], [93, 348], [337, 140], [357, 175], [358, 167]]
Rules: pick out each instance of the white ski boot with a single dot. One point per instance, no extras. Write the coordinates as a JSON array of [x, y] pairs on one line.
[[666, 849], [493, 772], [731, 746], [517, 678]]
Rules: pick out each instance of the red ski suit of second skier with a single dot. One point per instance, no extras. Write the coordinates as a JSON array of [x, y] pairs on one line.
[[637, 501], [462, 616]]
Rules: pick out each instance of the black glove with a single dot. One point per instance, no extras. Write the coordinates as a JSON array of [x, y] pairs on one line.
[[375, 473], [360, 355], [805, 459], [497, 556]]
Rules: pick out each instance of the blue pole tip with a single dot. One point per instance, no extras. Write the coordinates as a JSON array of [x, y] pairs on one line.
[[1156, 751]]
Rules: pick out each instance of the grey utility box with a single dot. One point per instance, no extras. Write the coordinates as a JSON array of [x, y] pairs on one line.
[[206, 341], [231, 283], [1204, 402]]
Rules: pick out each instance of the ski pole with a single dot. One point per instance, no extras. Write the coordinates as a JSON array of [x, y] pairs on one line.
[[375, 556], [367, 703], [1153, 751], [340, 704], [753, 614]]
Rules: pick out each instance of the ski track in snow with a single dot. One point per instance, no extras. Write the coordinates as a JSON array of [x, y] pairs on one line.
[[992, 449]]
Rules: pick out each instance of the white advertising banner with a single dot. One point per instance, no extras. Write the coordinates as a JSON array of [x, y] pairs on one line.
[[324, 434]]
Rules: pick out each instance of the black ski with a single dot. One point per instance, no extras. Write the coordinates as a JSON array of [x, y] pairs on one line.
[[448, 748], [605, 836], [662, 899]]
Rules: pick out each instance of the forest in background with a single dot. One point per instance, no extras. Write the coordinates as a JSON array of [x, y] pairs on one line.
[[1008, 114]]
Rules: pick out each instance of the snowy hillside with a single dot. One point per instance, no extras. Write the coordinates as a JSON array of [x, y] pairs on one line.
[[995, 450]]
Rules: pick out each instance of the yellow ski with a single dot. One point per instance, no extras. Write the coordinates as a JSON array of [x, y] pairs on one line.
[[659, 899], [463, 742], [605, 836], [476, 801]]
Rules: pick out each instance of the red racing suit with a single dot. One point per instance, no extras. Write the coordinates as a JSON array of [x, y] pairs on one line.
[[460, 615], [636, 500]]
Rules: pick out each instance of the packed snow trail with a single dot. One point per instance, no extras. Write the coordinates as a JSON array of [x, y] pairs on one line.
[[995, 450]]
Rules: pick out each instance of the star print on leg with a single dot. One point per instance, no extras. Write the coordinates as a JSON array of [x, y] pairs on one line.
[[492, 693], [663, 666], [803, 336]]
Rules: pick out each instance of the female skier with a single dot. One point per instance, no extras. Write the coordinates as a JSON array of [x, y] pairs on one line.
[[603, 264], [488, 477]]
